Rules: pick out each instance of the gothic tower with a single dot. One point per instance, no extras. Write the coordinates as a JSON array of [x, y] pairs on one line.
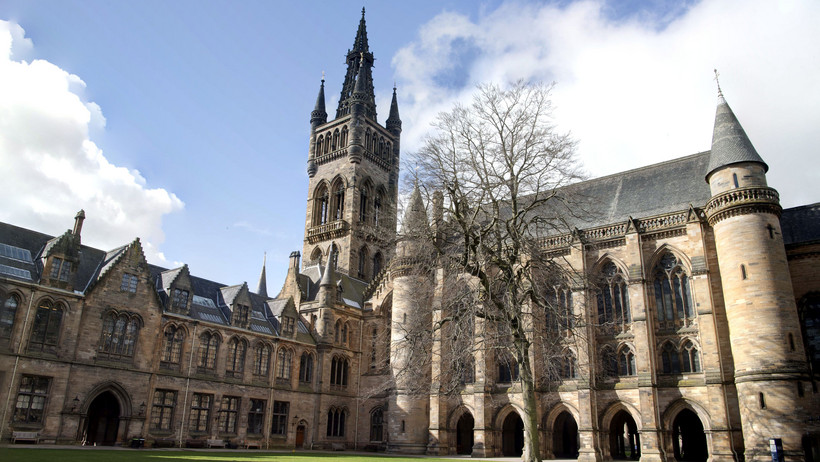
[[764, 329], [353, 165]]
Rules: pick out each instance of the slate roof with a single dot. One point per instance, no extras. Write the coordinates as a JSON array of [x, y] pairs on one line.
[[801, 225], [353, 289], [643, 192]]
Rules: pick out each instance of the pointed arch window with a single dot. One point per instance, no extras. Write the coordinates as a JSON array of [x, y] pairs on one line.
[[45, 332], [8, 311], [377, 264], [261, 361], [336, 422], [377, 209], [338, 371], [327, 147], [609, 362], [306, 368], [368, 141], [559, 316], [235, 362], [363, 257], [338, 206], [613, 298], [119, 335], [322, 205], [670, 359], [208, 346], [343, 139], [364, 196], [673, 295], [334, 145], [626, 362], [283, 364], [569, 365], [507, 369], [172, 341], [690, 357]]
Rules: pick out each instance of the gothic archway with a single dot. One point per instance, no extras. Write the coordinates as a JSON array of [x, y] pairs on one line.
[[688, 437], [103, 420], [565, 437], [512, 435], [464, 434], [624, 440]]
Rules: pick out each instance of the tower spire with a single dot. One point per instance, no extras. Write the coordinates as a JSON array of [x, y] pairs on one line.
[[360, 43], [319, 115], [359, 67], [262, 288]]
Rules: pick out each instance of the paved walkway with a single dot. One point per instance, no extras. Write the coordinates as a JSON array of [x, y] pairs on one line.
[[262, 451]]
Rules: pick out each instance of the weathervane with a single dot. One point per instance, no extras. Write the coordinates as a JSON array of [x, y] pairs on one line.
[[720, 92]]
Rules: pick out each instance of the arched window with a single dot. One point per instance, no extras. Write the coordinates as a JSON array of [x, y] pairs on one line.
[[338, 371], [283, 364], [235, 362], [343, 140], [316, 255], [673, 297], [559, 314], [363, 257], [626, 362], [377, 209], [364, 195], [377, 264], [613, 298], [569, 365], [8, 311], [670, 359], [172, 341], [45, 332], [337, 332], [320, 145], [375, 145], [382, 150], [208, 346], [336, 422], [321, 205], [119, 335], [609, 362], [345, 329], [327, 148], [338, 205], [691, 359], [334, 145], [388, 151], [306, 368], [261, 360], [377, 425], [507, 369], [368, 141]]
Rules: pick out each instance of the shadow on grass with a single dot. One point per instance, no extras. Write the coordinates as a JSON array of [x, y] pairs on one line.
[[137, 455]]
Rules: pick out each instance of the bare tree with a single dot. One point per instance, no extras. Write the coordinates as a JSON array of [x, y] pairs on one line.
[[496, 167]]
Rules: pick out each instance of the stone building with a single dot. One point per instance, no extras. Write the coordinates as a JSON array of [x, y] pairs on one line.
[[703, 341]]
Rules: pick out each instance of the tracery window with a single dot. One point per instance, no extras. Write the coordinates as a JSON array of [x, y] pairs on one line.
[[235, 362], [320, 145], [119, 335], [334, 145], [609, 362], [690, 357], [507, 368], [306, 368], [377, 264], [673, 296], [45, 332], [336, 421], [613, 298], [343, 139], [172, 341], [8, 311], [626, 362], [338, 201], [670, 359], [283, 364], [208, 346], [320, 212], [261, 360], [338, 371], [569, 365], [559, 316], [363, 263]]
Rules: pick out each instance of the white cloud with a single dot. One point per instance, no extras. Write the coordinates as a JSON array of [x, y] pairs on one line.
[[51, 169], [639, 90]]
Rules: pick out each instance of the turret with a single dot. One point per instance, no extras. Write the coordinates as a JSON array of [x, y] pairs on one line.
[[317, 117], [764, 329], [262, 287], [393, 125]]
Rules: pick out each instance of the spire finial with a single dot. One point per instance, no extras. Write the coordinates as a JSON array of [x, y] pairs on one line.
[[323, 77], [717, 80], [362, 12]]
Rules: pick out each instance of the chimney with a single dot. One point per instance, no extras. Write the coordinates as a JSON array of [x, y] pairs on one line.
[[294, 261], [78, 223]]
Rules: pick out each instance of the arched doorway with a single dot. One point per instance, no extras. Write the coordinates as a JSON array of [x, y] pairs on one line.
[[688, 437], [565, 437], [300, 436], [512, 436], [103, 420], [464, 434], [624, 440]]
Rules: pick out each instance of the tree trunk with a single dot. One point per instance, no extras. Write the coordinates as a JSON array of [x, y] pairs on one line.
[[532, 450]]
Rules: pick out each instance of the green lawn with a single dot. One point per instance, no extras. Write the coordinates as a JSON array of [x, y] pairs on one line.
[[150, 455]]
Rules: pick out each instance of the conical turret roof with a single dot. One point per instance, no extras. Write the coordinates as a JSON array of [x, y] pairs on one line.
[[319, 113], [262, 288], [415, 217], [393, 119], [730, 145]]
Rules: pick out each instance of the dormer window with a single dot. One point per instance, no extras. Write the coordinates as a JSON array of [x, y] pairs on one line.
[[288, 325], [241, 315], [60, 269], [129, 283], [180, 300]]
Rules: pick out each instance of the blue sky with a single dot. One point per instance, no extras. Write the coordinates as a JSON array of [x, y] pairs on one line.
[[199, 110]]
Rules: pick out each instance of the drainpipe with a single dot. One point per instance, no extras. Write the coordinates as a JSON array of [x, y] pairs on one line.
[[187, 384], [358, 386], [16, 363]]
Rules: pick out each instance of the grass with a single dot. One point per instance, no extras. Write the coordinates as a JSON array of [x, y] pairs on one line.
[[141, 455]]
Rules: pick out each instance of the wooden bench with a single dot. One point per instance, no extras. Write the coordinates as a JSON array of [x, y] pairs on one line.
[[337, 446], [215, 443], [25, 436], [164, 443], [250, 445]]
